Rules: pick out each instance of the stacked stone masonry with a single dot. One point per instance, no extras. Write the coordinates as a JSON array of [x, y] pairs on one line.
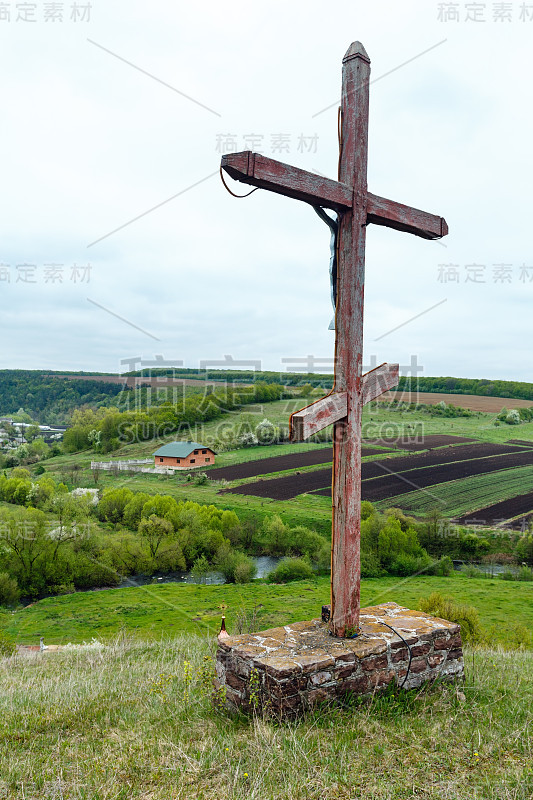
[[289, 669]]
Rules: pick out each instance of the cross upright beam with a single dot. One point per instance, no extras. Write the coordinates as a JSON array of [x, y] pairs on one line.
[[346, 490], [356, 208]]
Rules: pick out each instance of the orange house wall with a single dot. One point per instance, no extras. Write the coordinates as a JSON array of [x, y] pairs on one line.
[[185, 463]]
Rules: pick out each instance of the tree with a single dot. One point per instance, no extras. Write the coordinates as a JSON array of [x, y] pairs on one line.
[[266, 432], [111, 506], [155, 530], [25, 542], [200, 569], [31, 433], [9, 590], [72, 519]]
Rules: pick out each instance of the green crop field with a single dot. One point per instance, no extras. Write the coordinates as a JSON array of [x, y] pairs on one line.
[[455, 498], [314, 511]]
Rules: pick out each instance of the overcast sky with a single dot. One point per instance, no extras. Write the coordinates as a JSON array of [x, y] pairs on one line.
[[111, 202]]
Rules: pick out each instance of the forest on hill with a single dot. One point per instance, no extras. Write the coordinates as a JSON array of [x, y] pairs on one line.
[[50, 398]]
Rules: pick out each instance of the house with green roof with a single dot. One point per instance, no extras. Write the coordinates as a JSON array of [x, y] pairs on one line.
[[184, 455]]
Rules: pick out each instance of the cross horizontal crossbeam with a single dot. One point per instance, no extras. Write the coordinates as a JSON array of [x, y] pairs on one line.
[[334, 407], [267, 173], [275, 176]]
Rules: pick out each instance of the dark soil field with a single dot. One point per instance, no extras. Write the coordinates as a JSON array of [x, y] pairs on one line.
[[286, 487], [493, 515], [479, 456], [394, 484], [263, 466]]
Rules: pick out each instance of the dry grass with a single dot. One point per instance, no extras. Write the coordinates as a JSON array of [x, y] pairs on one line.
[[134, 720]]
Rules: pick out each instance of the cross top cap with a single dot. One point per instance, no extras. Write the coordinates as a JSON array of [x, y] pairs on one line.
[[356, 50]]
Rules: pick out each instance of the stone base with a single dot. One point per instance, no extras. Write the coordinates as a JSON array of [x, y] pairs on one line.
[[286, 670]]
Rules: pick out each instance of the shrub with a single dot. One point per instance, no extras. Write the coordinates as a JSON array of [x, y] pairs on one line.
[[443, 567], [473, 572], [236, 567], [508, 575], [7, 645], [200, 569], [266, 432], [525, 574], [446, 608], [370, 567], [245, 569], [9, 590], [112, 505], [291, 569], [406, 564]]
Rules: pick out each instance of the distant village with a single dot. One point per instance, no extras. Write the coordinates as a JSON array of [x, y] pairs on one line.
[[13, 434]]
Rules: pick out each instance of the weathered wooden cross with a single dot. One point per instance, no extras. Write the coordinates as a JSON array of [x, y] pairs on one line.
[[356, 207]]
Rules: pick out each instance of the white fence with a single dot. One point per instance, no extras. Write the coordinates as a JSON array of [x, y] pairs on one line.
[[131, 465]]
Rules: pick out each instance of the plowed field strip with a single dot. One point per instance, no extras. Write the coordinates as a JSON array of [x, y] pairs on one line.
[[459, 498], [390, 485], [479, 455], [263, 466], [490, 515], [286, 487]]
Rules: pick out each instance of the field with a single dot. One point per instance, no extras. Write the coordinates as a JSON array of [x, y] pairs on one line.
[[491, 405], [382, 426], [134, 721], [402, 472], [511, 508], [455, 498], [153, 611], [250, 469]]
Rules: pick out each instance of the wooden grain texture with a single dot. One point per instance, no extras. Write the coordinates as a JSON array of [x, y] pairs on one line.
[[334, 407], [404, 218], [380, 380], [317, 416], [346, 492], [275, 176]]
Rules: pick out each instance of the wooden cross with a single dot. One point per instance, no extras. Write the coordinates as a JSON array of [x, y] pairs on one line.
[[356, 208]]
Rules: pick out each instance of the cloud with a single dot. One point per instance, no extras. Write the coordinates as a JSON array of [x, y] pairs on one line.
[[93, 143]]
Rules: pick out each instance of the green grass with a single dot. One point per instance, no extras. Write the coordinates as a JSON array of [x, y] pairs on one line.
[[455, 498], [123, 723], [153, 611]]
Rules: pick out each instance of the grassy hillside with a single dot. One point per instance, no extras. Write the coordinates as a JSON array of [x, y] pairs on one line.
[[311, 510], [153, 611], [134, 720]]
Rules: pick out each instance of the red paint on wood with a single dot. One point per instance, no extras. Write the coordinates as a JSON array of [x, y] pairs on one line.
[[317, 416], [334, 406], [404, 218], [346, 494]]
